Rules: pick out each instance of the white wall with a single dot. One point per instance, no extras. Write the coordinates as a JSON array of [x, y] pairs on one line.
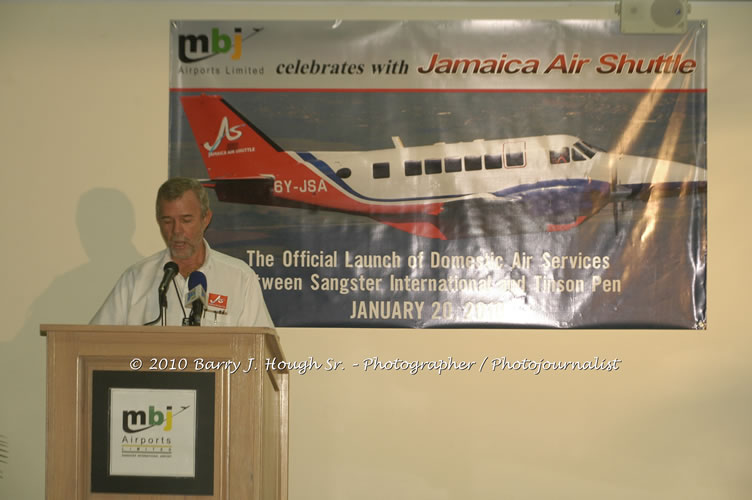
[[83, 146]]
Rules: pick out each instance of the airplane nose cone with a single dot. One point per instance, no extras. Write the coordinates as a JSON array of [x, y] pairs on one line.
[[647, 175], [641, 170]]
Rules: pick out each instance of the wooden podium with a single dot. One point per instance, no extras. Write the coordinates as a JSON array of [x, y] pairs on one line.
[[237, 424]]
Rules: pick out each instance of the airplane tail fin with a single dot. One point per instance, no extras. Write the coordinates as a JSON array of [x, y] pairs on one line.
[[231, 146]]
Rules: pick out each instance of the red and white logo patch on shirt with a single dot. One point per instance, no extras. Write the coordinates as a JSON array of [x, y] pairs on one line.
[[218, 301]]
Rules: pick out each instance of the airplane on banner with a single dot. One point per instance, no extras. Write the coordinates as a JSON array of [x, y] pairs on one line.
[[444, 191]]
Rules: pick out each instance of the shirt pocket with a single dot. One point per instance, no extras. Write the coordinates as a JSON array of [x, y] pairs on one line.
[[217, 318]]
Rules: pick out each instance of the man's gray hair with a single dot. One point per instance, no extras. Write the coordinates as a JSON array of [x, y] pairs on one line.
[[174, 188]]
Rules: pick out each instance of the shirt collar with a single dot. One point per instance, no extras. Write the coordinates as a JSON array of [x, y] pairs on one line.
[[208, 260]]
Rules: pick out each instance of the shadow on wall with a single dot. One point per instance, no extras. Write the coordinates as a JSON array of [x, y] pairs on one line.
[[3, 453], [106, 223]]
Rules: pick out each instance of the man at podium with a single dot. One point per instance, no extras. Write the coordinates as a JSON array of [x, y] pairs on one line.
[[188, 282]]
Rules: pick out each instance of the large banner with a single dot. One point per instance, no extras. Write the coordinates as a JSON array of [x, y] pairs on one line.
[[451, 174]]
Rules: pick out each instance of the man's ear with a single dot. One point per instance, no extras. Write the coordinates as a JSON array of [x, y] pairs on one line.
[[207, 219]]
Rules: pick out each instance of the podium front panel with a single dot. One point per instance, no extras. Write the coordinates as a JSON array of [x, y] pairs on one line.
[[116, 397]]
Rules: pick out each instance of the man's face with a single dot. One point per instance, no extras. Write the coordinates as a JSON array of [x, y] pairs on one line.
[[182, 226]]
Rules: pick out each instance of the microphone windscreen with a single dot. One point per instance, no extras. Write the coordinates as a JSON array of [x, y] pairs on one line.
[[170, 271], [196, 288], [195, 279]]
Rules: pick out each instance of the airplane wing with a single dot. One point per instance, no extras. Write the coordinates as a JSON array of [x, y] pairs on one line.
[[251, 190], [418, 228]]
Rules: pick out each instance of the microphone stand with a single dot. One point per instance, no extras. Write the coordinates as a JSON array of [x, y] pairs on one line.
[[162, 311], [163, 308], [162, 294]]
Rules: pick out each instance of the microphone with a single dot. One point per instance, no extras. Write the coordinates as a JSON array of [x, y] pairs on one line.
[[170, 271], [196, 297]]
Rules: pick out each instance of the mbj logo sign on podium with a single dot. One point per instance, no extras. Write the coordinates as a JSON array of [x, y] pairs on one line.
[[148, 437], [136, 421]]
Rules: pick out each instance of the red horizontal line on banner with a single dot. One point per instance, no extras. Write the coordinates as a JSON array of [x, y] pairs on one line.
[[511, 91]]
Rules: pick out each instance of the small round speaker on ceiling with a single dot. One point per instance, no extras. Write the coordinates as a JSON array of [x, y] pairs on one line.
[[667, 13]]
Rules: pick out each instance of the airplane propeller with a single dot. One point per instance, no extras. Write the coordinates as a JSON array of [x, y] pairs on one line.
[[614, 185], [618, 195]]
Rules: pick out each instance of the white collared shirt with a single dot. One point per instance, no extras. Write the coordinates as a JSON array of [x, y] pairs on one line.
[[233, 293]]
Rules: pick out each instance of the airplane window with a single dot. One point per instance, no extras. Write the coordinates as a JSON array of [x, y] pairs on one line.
[[595, 149], [577, 156], [452, 164], [412, 167], [557, 156], [433, 166], [514, 154], [380, 170], [473, 163], [492, 161], [344, 173], [585, 149], [515, 160]]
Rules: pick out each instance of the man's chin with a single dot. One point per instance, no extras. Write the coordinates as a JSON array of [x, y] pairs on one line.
[[181, 253]]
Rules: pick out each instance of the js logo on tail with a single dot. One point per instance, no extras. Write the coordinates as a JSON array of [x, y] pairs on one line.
[[229, 133]]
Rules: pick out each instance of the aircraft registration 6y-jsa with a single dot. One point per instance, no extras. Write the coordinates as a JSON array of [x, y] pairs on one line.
[[444, 191]]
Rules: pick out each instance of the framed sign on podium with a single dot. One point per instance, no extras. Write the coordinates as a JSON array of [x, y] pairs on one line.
[[165, 412]]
